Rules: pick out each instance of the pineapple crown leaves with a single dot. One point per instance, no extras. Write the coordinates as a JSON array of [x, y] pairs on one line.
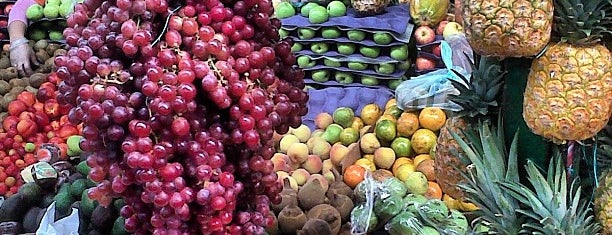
[[486, 152], [556, 209], [480, 94], [582, 22]]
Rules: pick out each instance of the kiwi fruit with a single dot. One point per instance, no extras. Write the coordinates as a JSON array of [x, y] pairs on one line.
[[41, 44], [5, 62], [57, 52], [5, 87], [6, 99], [52, 47], [291, 219], [17, 89], [31, 90], [315, 227], [311, 194], [9, 73], [288, 195], [37, 79], [18, 82], [343, 204], [327, 213], [42, 55]]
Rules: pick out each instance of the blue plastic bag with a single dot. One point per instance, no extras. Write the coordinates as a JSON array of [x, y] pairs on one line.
[[432, 89]]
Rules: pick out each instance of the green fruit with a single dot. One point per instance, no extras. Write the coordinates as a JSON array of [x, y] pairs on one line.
[[402, 147], [51, 11], [395, 187], [399, 52], [332, 133], [35, 12], [330, 33], [54, 2], [359, 219], [385, 68], [284, 10], [414, 199], [331, 63], [343, 116], [393, 84], [416, 182], [388, 207], [344, 77], [296, 47], [458, 222], [382, 38], [426, 230], [369, 81], [65, 10], [385, 130], [406, 223], [29, 147], [305, 62], [348, 136], [78, 187], [346, 48], [320, 75], [370, 52], [74, 144], [357, 66], [282, 33], [336, 8], [435, 210], [56, 35], [356, 35], [306, 8], [317, 15], [119, 227], [83, 168], [306, 33]]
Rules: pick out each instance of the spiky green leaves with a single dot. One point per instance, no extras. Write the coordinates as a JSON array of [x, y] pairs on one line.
[[582, 22]]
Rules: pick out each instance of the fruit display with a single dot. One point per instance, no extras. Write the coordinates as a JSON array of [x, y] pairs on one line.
[[49, 21], [343, 51], [5, 9]]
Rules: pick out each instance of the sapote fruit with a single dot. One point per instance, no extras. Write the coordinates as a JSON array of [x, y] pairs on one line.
[[339, 187], [315, 227], [291, 219], [329, 214], [311, 194], [288, 195], [344, 205]]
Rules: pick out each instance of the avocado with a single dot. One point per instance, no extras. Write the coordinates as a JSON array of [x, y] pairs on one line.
[[14, 208], [102, 218], [83, 168], [87, 206], [77, 188], [119, 227], [32, 192], [118, 203], [63, 200], [47, 200], [30, 220]]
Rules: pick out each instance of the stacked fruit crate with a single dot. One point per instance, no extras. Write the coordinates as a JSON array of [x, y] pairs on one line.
[[350, 50], [5, 8], [50, 20]]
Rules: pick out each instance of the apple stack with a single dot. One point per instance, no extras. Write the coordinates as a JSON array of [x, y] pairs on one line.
[[49, 21], [336, 47], [5, 8]]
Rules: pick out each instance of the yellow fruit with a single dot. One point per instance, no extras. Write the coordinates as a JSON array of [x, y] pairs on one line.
[[357, 123], [421, 157], [370, 113], [423, 140], [398, 162], [466, 206], [417, 183], [369, 157], [385, 131], [369, 143], [384, 157], [407, 124], [392, 101], [403, 171], [393, 110], [322, 120], [366, 163], [387, 117], [450, 202], [348, 136], [432, 118]]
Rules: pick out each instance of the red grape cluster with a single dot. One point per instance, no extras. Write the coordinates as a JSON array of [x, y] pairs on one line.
[[179, 105]]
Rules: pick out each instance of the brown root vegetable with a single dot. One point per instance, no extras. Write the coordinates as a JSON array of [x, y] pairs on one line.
[[311, 194], [339, 187], [288, 195], [5, 62], [329, 214], [18, 82], [291, 219], [5, 87], [344, 205], [322, 180], [37, 79], [315, 227], [345, 229]]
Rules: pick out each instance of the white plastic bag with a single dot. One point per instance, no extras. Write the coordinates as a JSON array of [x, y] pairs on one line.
[[461, 47], [65, 226]]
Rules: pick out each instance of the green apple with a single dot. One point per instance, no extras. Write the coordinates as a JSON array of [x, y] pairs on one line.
[[344, 77], [35, 12], [382, 38], [356, 35], [369, 81], [320, 76], [36, 34], [296, 47], [371, 52], [386, 68], [336, 8], [56, 35], [283, 33], [404, 65], [305, 62], [393, 84], [306, 8], [306, 33], [53, 2], [65, 9], [284, 10], [51, 11], [399, 52], [330, 33], [319, 47], [331, 63], [346, 48], [317, 15], [357, 66]]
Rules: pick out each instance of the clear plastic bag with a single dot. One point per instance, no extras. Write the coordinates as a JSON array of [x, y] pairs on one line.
[[432, 89], [461, 48]]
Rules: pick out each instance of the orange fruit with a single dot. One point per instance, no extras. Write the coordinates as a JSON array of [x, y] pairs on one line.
[[387, 117], [370, 113], [432, 118], [423, 140], [353, 175], [391, 102], [421, 157], [433, 191], [407, 124], [9, 181], [399, 161]]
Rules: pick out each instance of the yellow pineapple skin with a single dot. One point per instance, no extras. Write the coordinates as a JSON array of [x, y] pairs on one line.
[[603, 203], [507, 28], [569, 92], [447, 175]]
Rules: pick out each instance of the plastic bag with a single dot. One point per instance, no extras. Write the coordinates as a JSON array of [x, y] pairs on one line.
[[432, 89], [65, 226], [461, 48]]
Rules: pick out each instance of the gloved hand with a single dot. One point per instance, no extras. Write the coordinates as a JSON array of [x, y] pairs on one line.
[[22, 57]]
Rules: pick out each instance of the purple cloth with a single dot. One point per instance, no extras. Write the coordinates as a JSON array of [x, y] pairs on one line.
[[18, 13]]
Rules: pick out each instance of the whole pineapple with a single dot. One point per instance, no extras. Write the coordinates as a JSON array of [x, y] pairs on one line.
[[569, 89], [510, 28], [476, 99]]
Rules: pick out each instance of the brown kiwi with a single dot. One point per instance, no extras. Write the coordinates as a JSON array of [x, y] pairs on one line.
[[9, 73], [17, 89], [315, 227], [41, 44], [311, 194], [57, 52], [339, 187], [6, 99], [288, 195], [5, 62], [18, 82], [31, 90], [291, 219], [343, 204], [42, 55], [52, 47], [329, 214], [5, 87], [37, 79]]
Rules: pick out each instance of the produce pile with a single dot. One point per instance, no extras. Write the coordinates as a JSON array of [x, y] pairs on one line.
[[5, 9], [335, 47], [49, 21], [179, 105]]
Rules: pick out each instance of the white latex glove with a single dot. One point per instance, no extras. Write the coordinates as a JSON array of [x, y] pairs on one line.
[[22, 57]]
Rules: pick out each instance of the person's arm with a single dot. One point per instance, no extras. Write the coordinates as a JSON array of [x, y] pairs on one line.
[[21, 53]]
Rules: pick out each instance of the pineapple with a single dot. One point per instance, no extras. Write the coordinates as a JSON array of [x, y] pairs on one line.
[[551, 206], [476, 99], [370, 7], [507, 28], [603, 193], [569, 88]]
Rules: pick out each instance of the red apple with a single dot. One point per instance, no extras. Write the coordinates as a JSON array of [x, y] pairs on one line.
[[424, 63], [16, 107], [3, 23], [28, 98], [10, 122], [436, 50], [424, 35], [26, 127], [52, 108], [67, 130], [440, 28]]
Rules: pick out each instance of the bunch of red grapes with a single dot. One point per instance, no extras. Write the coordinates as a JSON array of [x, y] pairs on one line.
[[179, 101]]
